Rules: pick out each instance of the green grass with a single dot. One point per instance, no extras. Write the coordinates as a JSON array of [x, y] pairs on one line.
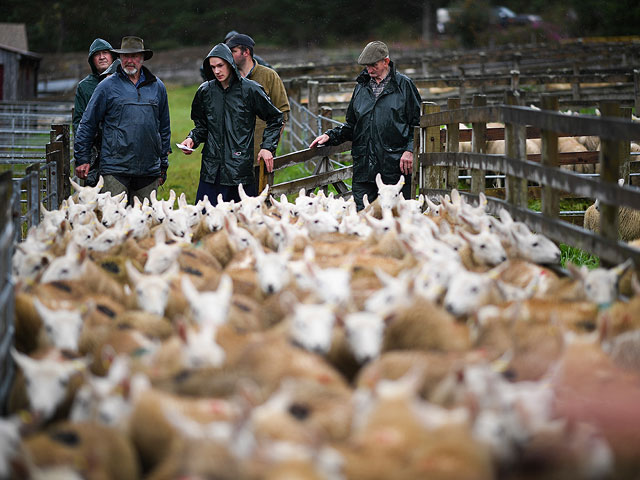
[[184, 170]]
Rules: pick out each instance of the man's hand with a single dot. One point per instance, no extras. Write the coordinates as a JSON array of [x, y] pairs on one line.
[[321, 140], [267, 156], [83, 170], [162, 178], [187, 142], [406, 163]]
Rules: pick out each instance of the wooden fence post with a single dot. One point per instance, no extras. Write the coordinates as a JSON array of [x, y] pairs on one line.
[[575, 84], [453, 144], [636, 90], [295, 94], [625, 155], [549, 158], [515, 147], [478, 145], [432, 176], [314, 93], [610, 152], [63, 135]]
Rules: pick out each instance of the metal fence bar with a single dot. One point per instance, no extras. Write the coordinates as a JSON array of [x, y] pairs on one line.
[[7, 305]]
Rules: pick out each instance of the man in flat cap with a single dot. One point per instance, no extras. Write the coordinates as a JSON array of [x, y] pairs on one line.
[[382, 113], [133, 108], [242, 50]]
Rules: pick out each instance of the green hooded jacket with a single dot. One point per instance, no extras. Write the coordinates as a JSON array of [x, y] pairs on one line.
[[381, 129], [88, 84], [224, 120]]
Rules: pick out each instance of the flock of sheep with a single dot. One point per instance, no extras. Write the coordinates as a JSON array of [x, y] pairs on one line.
[[269, 339]]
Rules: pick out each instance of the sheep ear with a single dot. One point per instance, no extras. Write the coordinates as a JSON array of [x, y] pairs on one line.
[[189, 290], [576, 271], [100, 183], [241, 192], [379, 181], [623, 267]]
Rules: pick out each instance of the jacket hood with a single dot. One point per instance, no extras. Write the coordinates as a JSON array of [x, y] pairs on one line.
[[223, 52], [97, 45]]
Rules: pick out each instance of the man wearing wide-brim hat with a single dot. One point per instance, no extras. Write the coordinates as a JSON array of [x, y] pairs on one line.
[[133, 109], [382, 113]]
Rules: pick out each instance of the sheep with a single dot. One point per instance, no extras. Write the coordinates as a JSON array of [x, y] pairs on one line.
[[151, 291], [88, 195], [469, 291], [61, 327], [46, 385], [86, 449], [600, 285], [628, 220]]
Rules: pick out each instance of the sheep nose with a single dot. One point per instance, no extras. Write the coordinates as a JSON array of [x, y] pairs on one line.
[[449, 307], [271, 289]]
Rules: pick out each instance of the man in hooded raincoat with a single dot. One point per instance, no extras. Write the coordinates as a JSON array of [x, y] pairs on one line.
[[223, 112], [381, 116]]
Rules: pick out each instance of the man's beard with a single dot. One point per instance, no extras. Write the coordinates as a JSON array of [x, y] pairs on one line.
[[130, 70]]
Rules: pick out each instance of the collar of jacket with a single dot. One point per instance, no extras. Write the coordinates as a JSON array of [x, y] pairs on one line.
[[149, 77], [364, 77]]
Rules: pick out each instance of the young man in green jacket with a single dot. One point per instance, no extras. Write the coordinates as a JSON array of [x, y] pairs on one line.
[[224, 111]]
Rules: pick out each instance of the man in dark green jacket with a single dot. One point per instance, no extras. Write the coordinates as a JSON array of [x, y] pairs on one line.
[[100, 58], [382, 113], [223, 112], [102, 63]]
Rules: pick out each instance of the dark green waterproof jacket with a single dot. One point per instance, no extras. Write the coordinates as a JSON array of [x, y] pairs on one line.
[[381, 129], [88, 84], [224, 121]]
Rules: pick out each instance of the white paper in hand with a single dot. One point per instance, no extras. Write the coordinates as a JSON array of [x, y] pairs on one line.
[[184, 147]]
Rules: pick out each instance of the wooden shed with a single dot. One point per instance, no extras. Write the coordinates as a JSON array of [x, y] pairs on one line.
[[18, 66]]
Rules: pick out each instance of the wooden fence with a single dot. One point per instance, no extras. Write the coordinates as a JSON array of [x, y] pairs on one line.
[[437, 171]]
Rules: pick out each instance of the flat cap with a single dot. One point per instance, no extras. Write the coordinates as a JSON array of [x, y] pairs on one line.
[[240, 39], [373, 52]]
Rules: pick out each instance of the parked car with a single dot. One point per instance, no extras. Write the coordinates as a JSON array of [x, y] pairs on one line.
[[505, 17]]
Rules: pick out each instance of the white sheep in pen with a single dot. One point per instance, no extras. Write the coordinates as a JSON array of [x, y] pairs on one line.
[[320, 298]]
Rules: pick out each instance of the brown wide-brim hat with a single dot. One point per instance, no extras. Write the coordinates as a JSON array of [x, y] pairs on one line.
[[133, 45]]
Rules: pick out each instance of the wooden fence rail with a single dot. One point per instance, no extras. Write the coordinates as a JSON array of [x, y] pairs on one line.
[[435, 171]]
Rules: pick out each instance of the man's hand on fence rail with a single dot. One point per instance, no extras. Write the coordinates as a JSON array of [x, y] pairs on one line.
[[406, 163], [83, 170], [267, 156], [321, 140]]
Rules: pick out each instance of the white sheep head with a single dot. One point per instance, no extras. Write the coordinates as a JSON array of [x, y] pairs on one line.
[[311, 326], [486, 248], [467, 292], [252, 206], [67, 267], [272, 269], [600, 284], [47, 380], [161, 256], [152, 290], [210, 307], [365, 331], [389, 195], [88, 195], [62, 327]]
